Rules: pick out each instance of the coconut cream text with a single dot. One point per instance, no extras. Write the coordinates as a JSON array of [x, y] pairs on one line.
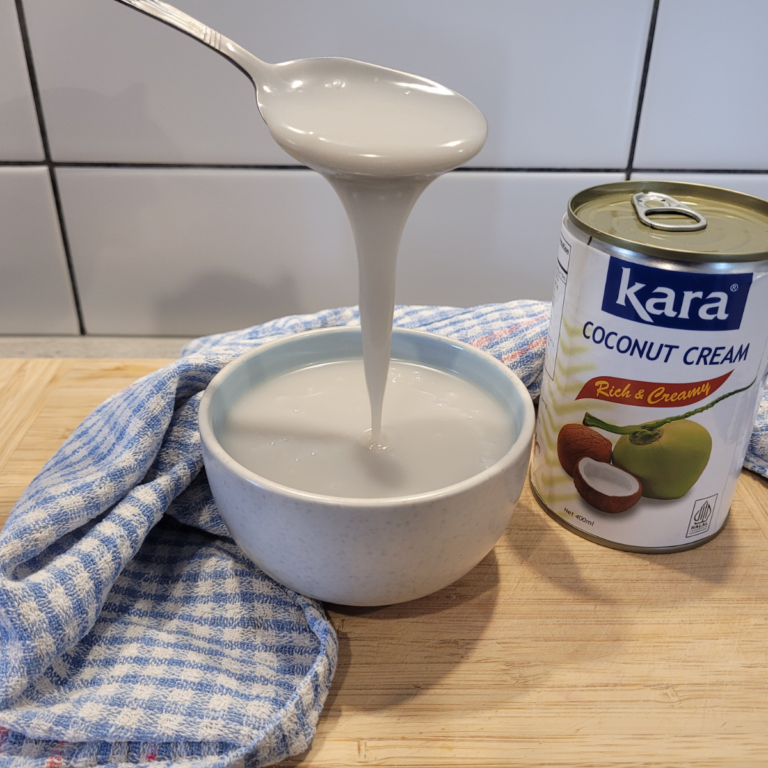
[[656, 351]]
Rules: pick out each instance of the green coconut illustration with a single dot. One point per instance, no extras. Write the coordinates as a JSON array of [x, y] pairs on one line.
[[666, 456], [667, 460]]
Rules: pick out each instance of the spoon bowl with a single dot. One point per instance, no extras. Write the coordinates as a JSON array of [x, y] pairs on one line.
[[345, 116]]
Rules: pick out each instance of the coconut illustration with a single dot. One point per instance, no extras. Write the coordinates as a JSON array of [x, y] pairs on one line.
[[667, 460], [575, 441], [667, 456], [605, 486]]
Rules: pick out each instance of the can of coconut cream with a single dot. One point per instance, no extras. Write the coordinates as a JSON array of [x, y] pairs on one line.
[[655, 362]]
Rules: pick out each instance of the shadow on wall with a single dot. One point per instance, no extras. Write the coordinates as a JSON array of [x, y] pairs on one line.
[[218, 301]]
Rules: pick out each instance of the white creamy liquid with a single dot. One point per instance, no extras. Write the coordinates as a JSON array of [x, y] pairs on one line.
[[340, 116], [306, 429], [379, 137]]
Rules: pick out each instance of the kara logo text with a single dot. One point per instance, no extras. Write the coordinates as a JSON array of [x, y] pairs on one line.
[[694, 301], [663, 301]]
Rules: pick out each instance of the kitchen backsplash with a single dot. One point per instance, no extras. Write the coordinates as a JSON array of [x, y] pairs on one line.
[[141, 194]]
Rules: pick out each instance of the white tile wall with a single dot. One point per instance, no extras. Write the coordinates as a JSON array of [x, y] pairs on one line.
[[200, 249], [557, 80], [480, 237], [35, 292], [19, 132], [706, 101], [195, 251]]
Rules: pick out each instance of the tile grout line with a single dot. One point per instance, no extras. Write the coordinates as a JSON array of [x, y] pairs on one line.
[[724, 171], [48, 162], [641, 93], [464, 169], [21, 163], [255, 167]]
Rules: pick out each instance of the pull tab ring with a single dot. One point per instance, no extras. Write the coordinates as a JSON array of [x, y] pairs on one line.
[[664, 204]]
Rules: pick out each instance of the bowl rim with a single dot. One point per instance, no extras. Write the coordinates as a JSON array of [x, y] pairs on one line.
[[520, 447]]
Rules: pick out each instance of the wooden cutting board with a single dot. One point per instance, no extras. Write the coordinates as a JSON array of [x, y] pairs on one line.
[[552, 652]]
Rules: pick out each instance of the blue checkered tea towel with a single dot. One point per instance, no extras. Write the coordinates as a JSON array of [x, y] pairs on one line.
[[133, 637], [133, 630]]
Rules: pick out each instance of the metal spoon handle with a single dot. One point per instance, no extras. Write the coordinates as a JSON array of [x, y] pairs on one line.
[[178, 19], [256, 69]]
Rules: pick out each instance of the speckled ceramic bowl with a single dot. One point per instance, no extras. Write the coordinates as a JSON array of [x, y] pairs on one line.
[[365, 551]]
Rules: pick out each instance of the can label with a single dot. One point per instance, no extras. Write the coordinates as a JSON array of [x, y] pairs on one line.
[[652, 377]]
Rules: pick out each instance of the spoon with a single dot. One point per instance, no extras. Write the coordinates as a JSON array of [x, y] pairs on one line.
[[379, 136], [345, 117]]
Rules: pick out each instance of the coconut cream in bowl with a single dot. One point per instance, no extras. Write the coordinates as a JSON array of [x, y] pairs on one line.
[[330, 514]]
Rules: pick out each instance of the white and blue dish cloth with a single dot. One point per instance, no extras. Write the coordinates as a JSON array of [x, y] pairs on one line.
[[133, 630]]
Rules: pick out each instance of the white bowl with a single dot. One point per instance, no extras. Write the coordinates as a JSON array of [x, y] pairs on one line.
[[365, 551]]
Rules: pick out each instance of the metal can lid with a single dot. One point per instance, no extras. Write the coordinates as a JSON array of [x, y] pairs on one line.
[[700, 224]]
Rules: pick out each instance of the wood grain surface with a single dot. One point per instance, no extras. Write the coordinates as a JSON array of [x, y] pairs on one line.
[[552, 652]]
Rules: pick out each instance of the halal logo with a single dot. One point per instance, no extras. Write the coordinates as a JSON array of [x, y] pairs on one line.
[[702, 515]]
